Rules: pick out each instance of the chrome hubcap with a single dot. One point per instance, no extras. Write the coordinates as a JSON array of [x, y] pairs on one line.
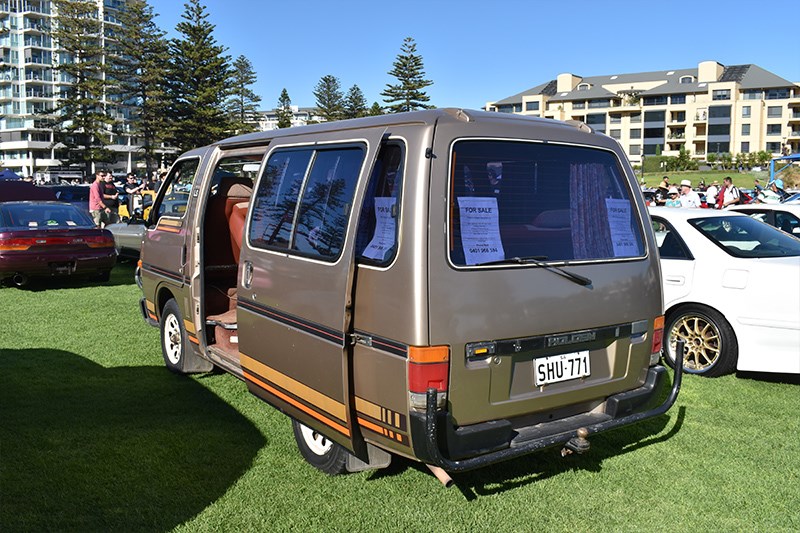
[[703, 344], [172, 339], [316, 442]]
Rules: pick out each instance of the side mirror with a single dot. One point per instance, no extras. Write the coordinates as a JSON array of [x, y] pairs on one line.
[[147, 201]]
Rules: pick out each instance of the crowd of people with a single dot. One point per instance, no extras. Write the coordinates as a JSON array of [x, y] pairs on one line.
[[105, 196], [717, 196]]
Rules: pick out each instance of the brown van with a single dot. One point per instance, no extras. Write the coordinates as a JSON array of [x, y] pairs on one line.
[[457, 287]]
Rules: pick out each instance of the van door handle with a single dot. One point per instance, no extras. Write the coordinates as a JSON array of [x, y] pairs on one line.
[[675, 280], [247, 274]]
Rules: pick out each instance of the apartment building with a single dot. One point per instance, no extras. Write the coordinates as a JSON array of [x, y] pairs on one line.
[[268, 120], [30, 86], [709, 109]]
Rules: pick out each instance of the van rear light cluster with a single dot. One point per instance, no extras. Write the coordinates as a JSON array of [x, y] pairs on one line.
[[24, 243], [658, 340], [428, 367]]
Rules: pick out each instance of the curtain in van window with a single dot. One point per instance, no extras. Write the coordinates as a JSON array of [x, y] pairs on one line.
[[588, 187]]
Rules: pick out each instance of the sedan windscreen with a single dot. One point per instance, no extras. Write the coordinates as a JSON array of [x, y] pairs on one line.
[[43, 216], [515, 202], [742, 236]]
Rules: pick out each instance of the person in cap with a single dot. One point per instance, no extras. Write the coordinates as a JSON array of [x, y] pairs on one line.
[[689, 198], [711, 193], [673, 199]]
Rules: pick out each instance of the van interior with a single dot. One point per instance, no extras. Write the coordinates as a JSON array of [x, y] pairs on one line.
[[221, 242]]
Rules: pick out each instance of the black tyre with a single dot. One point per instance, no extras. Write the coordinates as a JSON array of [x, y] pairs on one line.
[[178, 354], [710, 349], [320, 451]]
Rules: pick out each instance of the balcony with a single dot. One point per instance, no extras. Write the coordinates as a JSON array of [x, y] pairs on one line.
[[794, 134], [35, 27], [794, 117]]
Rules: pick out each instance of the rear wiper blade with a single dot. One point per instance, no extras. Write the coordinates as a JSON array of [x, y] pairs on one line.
[[538, 260]]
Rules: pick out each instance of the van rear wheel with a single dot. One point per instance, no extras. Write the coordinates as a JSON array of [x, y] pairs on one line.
[[319, 451], [178, 354], [710, 348]]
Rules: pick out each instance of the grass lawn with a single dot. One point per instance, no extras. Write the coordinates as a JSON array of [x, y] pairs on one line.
[[743, 180], [96, 435]]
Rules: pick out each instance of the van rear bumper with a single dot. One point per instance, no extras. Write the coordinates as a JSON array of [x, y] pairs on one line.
[[496, 441]]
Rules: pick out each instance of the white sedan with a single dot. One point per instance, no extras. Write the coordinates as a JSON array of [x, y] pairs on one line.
[[731, 291]]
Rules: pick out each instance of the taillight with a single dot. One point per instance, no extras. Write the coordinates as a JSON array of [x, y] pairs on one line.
[[99, 241], [16, 244], [428, 367], [23, 243], [658, 336]]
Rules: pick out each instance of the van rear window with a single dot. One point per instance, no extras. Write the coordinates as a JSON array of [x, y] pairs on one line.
[[513, 200]]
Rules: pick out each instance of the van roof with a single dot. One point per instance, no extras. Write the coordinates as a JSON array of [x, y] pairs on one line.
[[427, 117]]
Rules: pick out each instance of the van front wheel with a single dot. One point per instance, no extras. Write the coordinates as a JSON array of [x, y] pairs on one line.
[[319, 451], [178, 354]]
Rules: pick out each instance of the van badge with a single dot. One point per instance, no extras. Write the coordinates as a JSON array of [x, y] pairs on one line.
[[572, 338]]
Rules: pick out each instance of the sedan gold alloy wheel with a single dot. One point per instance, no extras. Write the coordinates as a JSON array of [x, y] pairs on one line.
[[703, 342], [711, 348]]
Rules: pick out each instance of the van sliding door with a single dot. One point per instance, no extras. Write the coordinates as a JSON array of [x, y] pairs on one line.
[[296, 276]]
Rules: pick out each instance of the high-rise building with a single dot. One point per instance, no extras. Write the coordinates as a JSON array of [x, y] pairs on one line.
[[709, 109], [30, 86]]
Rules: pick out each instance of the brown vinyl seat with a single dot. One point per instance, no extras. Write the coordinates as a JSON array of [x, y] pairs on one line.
[[236, 226]]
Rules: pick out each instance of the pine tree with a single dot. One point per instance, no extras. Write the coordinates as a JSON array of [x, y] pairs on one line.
[[355, 105], [330, 101], [80, 122], [243, 105], [284, 110], [375, 110], [140, 72], [408, 95], [198, 82]]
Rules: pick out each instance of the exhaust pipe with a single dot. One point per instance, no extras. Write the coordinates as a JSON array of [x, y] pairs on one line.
[[20, 279], [441, 475]]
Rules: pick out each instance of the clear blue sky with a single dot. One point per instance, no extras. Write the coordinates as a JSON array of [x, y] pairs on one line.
[[479, 51]]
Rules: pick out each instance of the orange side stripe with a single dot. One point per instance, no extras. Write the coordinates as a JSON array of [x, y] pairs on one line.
[[194, 339], [374, 427], [328, 422]]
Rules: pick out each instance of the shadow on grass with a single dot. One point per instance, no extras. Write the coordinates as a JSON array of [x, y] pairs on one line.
[[121, 274], [770, 377], [111, 449]]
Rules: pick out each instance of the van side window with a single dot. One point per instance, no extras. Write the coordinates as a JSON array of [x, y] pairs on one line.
[[276, 199], [376, 240], [303, 200], [325, 205], [175, 191], [511, 200]]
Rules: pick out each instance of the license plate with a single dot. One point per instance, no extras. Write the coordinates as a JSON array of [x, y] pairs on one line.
[[562, 367], [62, 269]]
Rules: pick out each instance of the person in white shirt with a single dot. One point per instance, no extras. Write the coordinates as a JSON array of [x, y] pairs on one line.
[[711, 194], [730, 193], [689, 198]]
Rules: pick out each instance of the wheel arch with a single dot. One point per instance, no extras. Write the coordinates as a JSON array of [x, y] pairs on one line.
[[163, 295]]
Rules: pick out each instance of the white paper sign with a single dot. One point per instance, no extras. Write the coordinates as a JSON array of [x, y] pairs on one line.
[[385, 229], [619, 223], [480, 230]]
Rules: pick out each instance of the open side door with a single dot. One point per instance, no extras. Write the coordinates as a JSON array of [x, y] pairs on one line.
[[296, 278]]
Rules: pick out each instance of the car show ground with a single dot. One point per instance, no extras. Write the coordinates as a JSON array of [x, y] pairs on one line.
[[98, 436]]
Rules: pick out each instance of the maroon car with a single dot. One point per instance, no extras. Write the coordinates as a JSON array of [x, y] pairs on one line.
[[42, 239]]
